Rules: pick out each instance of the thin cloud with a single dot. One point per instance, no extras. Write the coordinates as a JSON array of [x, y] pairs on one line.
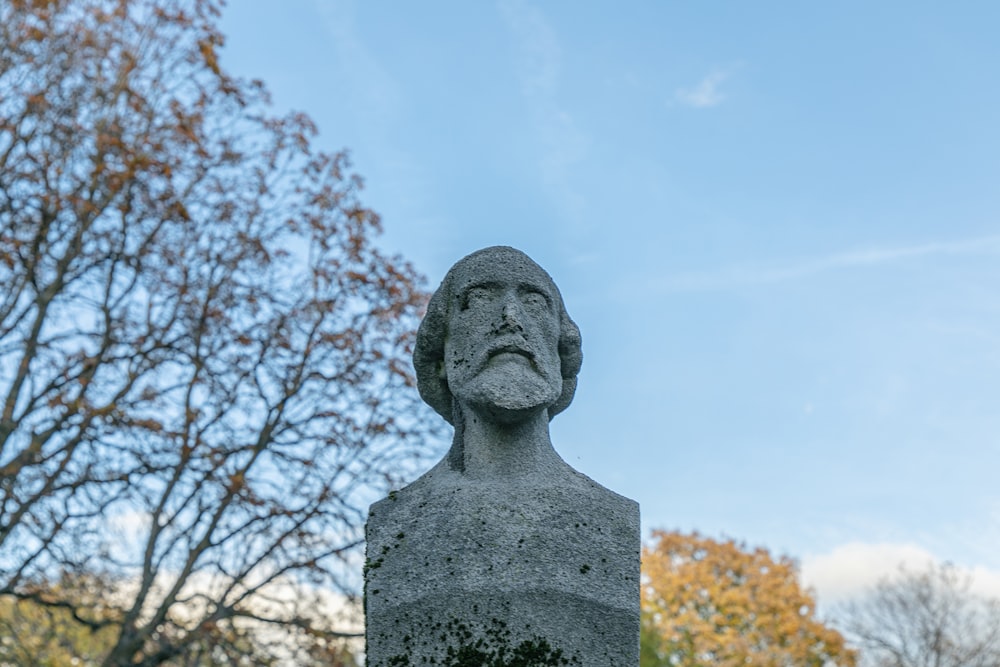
[[850, 570], [706, 93], [539, 61], [375, 98], [374, 94], [741, 276], [537, 47]]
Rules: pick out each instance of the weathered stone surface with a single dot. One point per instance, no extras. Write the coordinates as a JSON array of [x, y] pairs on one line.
[[502, 550]]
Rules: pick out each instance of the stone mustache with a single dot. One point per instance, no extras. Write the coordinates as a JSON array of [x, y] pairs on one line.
[[501, 554]]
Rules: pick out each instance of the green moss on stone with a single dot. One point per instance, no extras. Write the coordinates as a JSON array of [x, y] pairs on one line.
[[493, 648]]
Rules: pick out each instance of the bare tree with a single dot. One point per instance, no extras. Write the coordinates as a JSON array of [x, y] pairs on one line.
[[928, 618], [200, 346]]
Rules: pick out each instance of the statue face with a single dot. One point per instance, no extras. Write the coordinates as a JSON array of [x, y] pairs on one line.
[[501, 354]]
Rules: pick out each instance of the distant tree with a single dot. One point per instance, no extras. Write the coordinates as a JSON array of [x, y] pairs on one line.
[[711, 603], [40, 635], [927, 618], [203, 357], [37, 634]]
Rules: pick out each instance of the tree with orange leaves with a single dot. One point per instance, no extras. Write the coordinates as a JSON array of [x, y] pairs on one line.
[[203, 355], [711, 603]]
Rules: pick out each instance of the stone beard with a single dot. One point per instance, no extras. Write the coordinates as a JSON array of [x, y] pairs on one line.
[[502, 550]]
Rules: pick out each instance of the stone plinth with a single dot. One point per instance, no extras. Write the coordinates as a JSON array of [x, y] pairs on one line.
[[531, 562]]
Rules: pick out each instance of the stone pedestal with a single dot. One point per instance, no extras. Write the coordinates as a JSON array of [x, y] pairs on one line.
[[544, 566]]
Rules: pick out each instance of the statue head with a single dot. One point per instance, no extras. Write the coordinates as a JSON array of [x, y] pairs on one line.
[[497, 337]]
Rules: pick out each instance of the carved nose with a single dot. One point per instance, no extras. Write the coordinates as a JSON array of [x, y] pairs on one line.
[[510, 317]]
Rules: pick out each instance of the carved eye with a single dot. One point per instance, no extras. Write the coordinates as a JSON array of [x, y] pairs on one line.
[[535, 300], [475, 295]]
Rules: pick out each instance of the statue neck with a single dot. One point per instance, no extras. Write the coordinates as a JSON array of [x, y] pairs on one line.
[[485, 447]]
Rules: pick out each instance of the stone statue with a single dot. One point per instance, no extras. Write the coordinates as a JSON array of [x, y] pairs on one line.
[[502, 551]]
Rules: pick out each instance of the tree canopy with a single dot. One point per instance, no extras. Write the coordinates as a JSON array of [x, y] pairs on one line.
[[717, 603], [203, 354]]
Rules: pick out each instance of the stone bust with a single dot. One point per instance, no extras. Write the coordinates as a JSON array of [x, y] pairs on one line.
[[497, 356], [502, 546]]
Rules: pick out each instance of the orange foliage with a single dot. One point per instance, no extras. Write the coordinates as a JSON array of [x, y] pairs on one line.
[[706, 602]]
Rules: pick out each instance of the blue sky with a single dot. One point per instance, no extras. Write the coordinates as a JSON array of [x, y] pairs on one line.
[[777, 225]]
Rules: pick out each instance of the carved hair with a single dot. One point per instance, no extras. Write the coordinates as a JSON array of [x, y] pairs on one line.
[[428, 355]]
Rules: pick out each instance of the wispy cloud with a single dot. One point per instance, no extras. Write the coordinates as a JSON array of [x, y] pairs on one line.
[[707, 92], [537, 47], [374, 94], [741, 276], [377, 100], [539, 61], [851, 569]]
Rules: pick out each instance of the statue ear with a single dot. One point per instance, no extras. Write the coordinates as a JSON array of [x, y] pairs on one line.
[[442, 373]]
